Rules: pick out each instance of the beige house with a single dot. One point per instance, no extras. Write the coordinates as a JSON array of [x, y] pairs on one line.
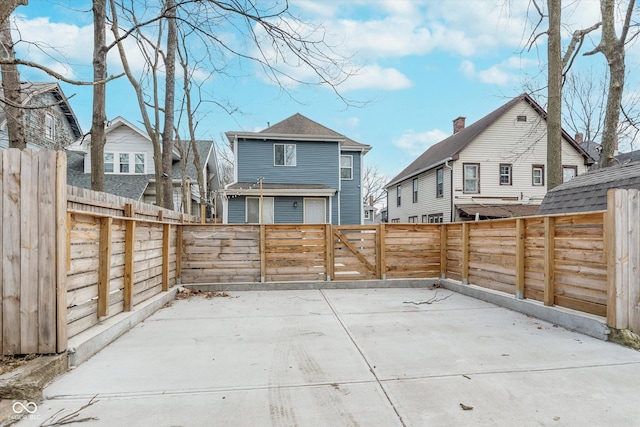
[[494, 168]]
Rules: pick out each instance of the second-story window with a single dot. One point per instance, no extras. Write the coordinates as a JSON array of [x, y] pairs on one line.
[[124, 163], [108, 163], [439, 182], [537, 172], [346, 167], [49, 126], [471, 177], [398, 195], [505, 174], [569, 172], [415, 190], [139, 165], [284, 154]]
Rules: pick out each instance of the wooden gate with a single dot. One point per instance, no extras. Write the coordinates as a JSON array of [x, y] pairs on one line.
[[355, 252]]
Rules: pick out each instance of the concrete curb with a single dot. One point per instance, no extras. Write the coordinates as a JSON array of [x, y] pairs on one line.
[[87, 343], [594, 326], [299, 286]]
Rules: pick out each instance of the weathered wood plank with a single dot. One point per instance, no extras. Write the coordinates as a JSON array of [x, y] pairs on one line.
[[166, 235], [549, 258], [29, 253], [104, 269], [11, 242]]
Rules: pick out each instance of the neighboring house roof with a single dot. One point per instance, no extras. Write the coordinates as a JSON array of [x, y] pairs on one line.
[[204, 152], [632, 156], [593, 148], [130, 186], [298, 126], [498, 211], [30, 90], [588, 192], [451, 147]]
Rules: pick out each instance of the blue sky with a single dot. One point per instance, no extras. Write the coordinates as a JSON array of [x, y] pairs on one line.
[[420, 65]]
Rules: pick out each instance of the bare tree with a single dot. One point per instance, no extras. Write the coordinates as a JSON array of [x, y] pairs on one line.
[[8, 6], [584, 98], [613, 49], [373, 183], [99, 116], [11, 84], [554, 90], [225, 163], [169, 102]]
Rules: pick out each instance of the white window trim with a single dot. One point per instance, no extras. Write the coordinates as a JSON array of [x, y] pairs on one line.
[[477, 178], [350, 167], [132, 163], [49, 131], [260, 201], [284, 155], [324, 207]]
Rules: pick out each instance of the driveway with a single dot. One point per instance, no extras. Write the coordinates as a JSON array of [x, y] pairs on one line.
[[367, 357]]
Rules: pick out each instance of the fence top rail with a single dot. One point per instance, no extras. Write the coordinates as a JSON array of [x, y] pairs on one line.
[[120, 218]]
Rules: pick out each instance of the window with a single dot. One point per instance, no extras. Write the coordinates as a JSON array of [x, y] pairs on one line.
[[521, 118], [413, 219], [471, 177], [284, 154], [398, 195], [49, 126], [436, 218], [108, 162], [253, 210], [415, 190], [124, 163], [395, 220], [346, 167], [537, 172], [439, 182], [139, 163], [425, 218], [569, 172], [366, 214], [505, 174]]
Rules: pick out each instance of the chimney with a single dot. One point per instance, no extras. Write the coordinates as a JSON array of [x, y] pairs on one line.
[[458, 124], [579, 138], [370, 200]]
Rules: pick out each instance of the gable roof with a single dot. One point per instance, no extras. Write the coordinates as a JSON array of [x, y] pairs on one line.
[[29, 90], [588, 192], [297, 126], [451, 147]]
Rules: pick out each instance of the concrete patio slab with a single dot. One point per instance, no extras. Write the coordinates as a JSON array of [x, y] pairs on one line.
[[374, 357]]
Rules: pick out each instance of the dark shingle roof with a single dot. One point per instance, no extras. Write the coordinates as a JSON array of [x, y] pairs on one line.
[[203, 148], [632, 156], [498, 211], [130, 186], [451, 147], [301, 125], [277, 186], [588, 192]]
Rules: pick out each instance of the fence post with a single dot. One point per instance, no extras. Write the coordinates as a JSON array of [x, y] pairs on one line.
[[465, 253], [63, 252], [263, 264], [549, 260], [179, 254], [383, 252], [329, 261], [129, 247], [520, 237], [104, 266], [443, 251], [166, 232]]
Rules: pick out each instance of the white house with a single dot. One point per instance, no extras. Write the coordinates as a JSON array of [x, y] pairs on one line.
[[494, 168], [130, 169]]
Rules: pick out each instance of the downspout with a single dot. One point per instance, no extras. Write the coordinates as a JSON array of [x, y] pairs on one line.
[[446, 165]]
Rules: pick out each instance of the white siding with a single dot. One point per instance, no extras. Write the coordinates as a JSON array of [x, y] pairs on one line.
[[125, 140], [427, 202]]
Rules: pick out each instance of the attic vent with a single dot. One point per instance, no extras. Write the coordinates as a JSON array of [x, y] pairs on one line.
[[521, 118]]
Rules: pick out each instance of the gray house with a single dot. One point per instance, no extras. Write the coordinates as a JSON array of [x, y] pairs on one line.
[[588, 192], [48, 120], [296, 171]]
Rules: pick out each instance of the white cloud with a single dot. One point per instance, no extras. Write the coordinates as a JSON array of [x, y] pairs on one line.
[[376, 77], [505, 73], [415, 143]]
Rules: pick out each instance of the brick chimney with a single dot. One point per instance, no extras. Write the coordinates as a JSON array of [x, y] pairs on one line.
[[579, 138], [458, 124]]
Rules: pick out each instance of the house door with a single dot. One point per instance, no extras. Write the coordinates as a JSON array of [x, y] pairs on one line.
[[314, 211]]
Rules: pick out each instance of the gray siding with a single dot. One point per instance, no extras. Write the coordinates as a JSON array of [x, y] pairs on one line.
[[316, 163], [284, 211], [236, 210], [351, 196]]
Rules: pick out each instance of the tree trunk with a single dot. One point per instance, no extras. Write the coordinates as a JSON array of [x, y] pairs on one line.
[[167, 133], [12, 93], [554, 107], [8, 6], [99, 118], [613, 49]]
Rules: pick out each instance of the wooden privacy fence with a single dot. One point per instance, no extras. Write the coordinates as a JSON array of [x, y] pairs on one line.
[[71, 258], [32, 251]]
